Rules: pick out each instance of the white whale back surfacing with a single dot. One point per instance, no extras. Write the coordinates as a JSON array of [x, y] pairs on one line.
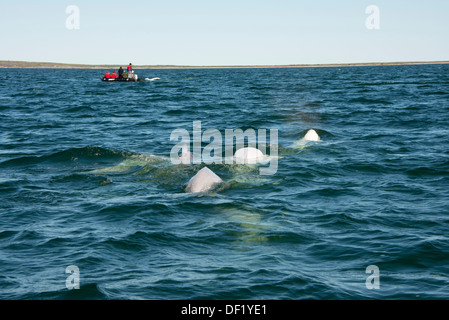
[[311, 135], [249, 155], [204, 180]]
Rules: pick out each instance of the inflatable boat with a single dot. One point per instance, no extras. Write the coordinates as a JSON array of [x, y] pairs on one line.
[[113, 77]]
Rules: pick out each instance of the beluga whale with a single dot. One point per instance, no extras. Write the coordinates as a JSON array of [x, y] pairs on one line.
[[186, 157], [203, 180], [249, 155], [311, 135]]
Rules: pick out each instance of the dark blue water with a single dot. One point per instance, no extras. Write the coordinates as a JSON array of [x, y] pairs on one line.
[[80, 185]]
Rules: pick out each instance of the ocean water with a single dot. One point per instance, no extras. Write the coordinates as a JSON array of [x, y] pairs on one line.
[[84, 183]]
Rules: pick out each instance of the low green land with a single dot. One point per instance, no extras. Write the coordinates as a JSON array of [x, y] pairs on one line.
[[52, 65]]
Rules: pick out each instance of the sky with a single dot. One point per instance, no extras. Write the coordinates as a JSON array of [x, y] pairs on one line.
[[231, 32]]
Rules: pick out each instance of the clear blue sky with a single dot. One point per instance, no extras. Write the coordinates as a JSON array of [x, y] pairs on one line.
[[210, 32]]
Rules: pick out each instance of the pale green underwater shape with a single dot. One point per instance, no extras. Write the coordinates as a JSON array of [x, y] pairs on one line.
[[136, 160], [242, 173], [249, 222]]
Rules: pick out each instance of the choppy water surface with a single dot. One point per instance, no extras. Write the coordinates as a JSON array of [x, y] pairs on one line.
[[81, 184]]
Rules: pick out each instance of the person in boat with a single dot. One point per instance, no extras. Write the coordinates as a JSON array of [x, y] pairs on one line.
[[120, 73], [130, 68]]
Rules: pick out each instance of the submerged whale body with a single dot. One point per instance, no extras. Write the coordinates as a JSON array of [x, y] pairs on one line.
[[186, 157], [204, 180], [311, 135], [249, 155]]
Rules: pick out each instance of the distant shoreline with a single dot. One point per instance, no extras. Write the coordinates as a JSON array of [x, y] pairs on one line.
[[52, 65]]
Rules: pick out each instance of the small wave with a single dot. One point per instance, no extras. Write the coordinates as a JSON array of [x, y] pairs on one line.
[[426, 171], [176, 112], [438, 93], [89, 291], [364, 100], [7, 235], [72, 154]]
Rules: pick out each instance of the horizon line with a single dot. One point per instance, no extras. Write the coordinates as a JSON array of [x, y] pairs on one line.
[[63, 65]]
